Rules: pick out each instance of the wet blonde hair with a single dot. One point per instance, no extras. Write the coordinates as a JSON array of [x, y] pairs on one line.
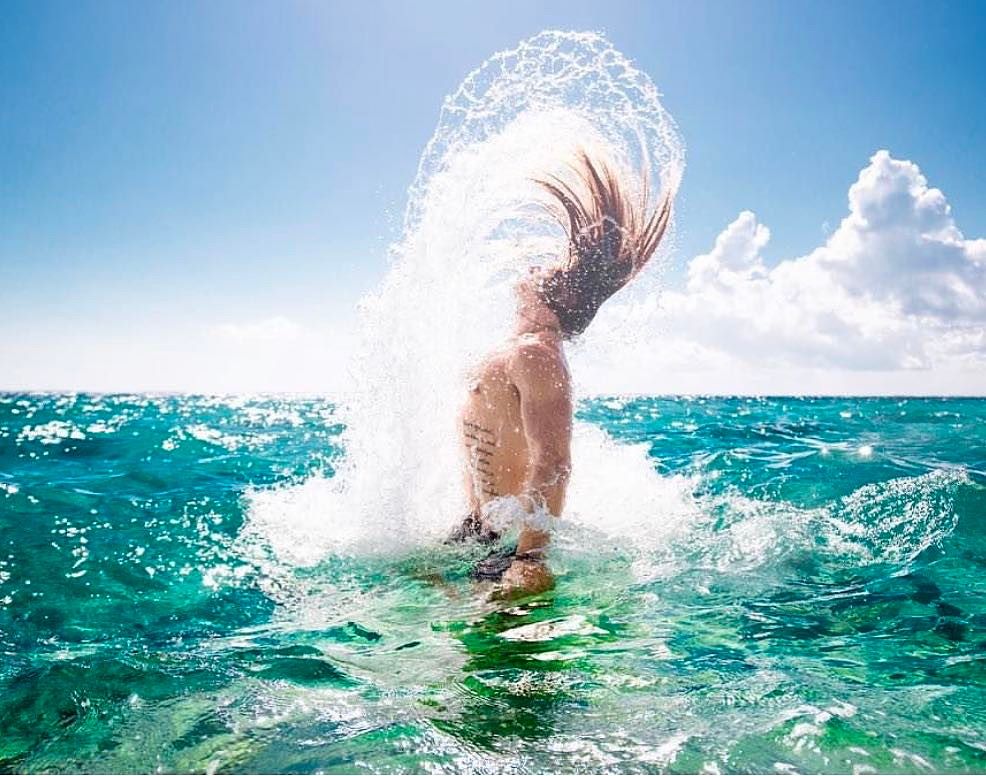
[[611, 236]]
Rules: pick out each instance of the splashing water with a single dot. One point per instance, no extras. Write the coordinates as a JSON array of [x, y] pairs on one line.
[[785, 600], [255, 584], [473, 224]]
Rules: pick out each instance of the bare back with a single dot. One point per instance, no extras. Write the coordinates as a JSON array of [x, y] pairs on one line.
[[492, 431], [516, 425]]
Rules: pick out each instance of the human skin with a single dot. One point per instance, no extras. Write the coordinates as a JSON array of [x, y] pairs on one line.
[[516, 424], [516, 427]]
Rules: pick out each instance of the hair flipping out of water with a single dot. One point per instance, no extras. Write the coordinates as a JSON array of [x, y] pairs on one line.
[[611, 236]]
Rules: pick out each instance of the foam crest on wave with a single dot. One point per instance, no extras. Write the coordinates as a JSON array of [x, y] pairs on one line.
[[880, 525]]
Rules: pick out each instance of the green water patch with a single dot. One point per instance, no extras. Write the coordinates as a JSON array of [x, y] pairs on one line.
[[819, 609]]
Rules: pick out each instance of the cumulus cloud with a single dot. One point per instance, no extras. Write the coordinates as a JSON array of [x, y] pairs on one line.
[[896, 287]]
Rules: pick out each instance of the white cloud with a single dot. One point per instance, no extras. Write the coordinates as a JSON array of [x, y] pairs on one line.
[[895, 290], [893, 301], [735, 257], [269, 330], [269, 355]]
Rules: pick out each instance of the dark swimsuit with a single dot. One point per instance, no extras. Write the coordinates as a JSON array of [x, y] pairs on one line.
[[493, 566], [472, 529]]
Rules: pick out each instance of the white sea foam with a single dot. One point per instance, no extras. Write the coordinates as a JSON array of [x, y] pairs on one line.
[[886, 524]]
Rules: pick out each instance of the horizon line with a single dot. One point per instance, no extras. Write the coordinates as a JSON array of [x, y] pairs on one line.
[[5, 392]]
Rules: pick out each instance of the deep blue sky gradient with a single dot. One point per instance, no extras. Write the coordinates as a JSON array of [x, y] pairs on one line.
[[164, 161]]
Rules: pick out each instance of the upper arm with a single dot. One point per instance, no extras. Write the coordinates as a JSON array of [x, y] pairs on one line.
[[541, 378]]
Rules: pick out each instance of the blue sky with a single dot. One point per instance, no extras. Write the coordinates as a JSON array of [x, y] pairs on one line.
[[166, 167]]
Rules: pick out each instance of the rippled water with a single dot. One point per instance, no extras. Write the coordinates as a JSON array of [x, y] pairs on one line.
[[812, 600]]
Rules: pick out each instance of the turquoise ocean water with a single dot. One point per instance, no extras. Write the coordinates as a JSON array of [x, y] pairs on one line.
[[821, 610]]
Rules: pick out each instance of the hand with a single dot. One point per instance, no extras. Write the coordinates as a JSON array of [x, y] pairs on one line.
[[526, 577]]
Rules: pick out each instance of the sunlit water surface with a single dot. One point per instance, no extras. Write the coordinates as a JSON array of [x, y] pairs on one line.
[[816, 603]]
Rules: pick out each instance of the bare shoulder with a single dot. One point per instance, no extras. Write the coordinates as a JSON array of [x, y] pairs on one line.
[[493, 368], [533, 360]]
